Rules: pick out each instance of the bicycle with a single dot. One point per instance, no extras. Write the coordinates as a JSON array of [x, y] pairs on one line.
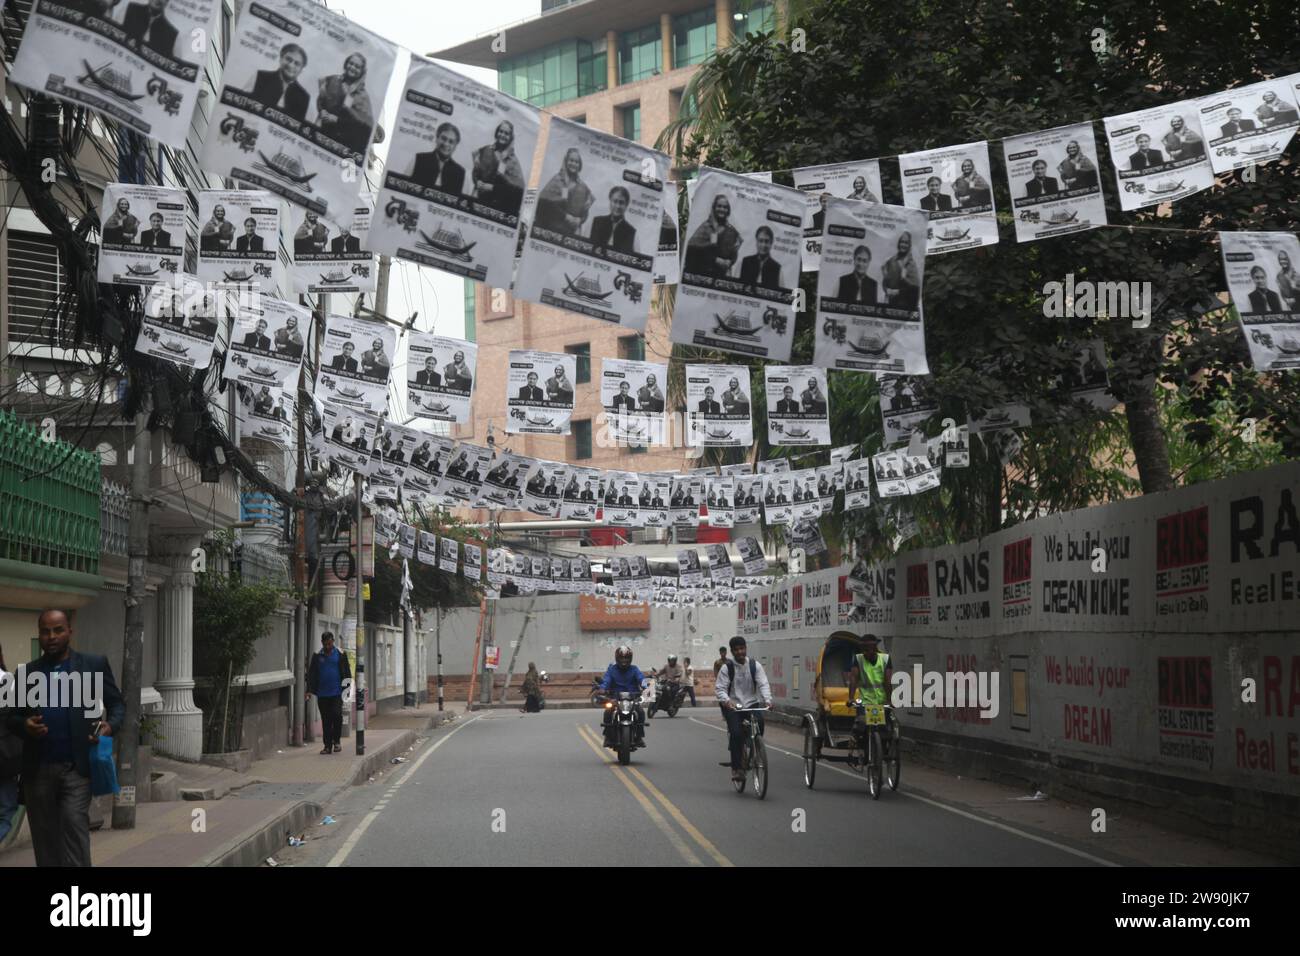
[[753, 759], [881, 759]]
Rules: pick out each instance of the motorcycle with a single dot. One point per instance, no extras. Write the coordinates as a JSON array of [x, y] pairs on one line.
[[623, 728], [672, 694]]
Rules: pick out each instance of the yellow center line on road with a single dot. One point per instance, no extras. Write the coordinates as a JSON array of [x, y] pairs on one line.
[[678, 843], [680, 817]]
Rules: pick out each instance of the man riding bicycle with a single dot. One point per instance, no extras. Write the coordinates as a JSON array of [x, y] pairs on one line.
[[870, 679], [621, 677], [742, 683]]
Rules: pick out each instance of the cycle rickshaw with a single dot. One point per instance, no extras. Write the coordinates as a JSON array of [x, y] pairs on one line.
[[845, 732]]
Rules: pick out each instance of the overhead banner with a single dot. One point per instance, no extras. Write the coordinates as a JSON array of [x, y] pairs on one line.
[[731, 298], [1159, 155], [592, 244], [356, 359], [266, 343], [179, 323], [136, 65], [142, 234], [299, 125], [239, 239], [952, 185], [1249, 124], [718, 406], [797, 407], [347, 436], [440, 377], [582, 495], [1265, 288], [632, 394], [858, 180], [1055, 186], [869, 315], [333, 258], [668, 263], [539, 392], [454, 183], [465, 470], [544, 486]]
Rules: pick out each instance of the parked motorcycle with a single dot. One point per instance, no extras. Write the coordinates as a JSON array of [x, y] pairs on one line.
[[672, 694]]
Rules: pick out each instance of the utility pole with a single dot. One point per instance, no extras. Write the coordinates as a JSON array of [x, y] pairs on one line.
[[438, 642], [301, 640]]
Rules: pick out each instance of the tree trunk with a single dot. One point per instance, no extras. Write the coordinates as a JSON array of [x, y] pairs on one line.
[[1147, 436], [993, 490]]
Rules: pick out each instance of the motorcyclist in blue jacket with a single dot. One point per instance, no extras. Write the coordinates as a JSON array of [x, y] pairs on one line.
[[620, 677]]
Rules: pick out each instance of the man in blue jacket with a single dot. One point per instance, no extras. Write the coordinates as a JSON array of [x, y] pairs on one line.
[[57, 739], [623, 676], [329, 669]]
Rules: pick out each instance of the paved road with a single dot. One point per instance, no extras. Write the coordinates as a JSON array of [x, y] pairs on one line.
[[507, 789]]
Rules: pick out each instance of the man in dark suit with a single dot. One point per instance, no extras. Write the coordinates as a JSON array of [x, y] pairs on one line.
[[147, 23], [436, 169], [531, 392], [258, 339], [935, 201], [57, 742], [587, 493], [420, 457], [760, 268], [344, 362], [787, 405], [1262, 298], [623, 399], [857, 286], [264, 403], [644, 497], [707, 405], [280, 89], [1042, 184], [1145, 156], [428, 376], [1236, 124], [614, 230], [345, 242], [250, 241], [156, 235], [819, 217], [624, 499]]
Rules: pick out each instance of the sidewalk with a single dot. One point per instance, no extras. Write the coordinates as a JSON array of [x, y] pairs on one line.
[[279, 796]]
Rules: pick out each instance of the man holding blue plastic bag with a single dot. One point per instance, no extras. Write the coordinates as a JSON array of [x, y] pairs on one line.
[[63, 740]]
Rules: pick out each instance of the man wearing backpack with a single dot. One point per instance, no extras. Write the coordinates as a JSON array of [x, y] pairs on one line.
[[742, 683]]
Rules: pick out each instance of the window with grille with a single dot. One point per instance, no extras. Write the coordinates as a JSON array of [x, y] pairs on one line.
[[37, 287], [631, 347], [580, 441]]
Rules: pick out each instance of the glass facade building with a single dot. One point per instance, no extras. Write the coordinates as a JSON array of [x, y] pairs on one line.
[[640, 53], [695, 36], [754, 16], [562, 71]]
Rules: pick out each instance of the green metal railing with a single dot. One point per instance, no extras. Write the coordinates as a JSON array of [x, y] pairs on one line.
[[52, 518]]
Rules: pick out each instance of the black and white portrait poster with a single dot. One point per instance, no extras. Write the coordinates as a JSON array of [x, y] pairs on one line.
[[266, 342], [356, 359], [406, 541], [473, 566], [301, 92], [668, 263], [807, 535], [457, 168], [778, 498], [857, 484], [1265, 288], [1006, 444], [526, 211], [749, 497], [1055, 184], [751, 555], [797, 407], [739, 468], [539, 392], [859, 180], [580, 575], [394, 453], [921, 473], [503, 485], [689, 571], [953, 185], [721, 501], [134, 62], [687, 495], [1159, 154], [804, 503], [465, 470], [632, 394], [956, 447], [904, 406], [720, 570], [1010, 415], [347, 436], [544, 486], [741, 267], [622, 492], [329, 257], [890, 480], [773, 465], [422, 480], [869, 315], [1086, 378], [582, 494], [829, 478], [838, 457], [440, 376], [239, 239], [595, 233], [427, 550], [1250, 124], [179, 323], [142, 234], [264, 414], [448, 554], [718, 405], [560, 580], [652, 500]]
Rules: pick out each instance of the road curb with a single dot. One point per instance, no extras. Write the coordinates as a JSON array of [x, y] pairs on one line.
[[253, 847], [374, 761]]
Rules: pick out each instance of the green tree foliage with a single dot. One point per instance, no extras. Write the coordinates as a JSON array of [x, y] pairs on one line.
[[430, 587]]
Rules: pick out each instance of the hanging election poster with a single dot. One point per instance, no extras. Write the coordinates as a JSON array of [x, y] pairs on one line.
[[956, 447], [869, 315], [722, 501], [751, 555], [720, 571], [266, 342], [423, 477], [1011, 415], [773, 465], [239, 239], [718, 407], [427, 550], [689, 572], [1086, 378], [440, 376], [473, 567], [1265, 288], [1250, 124], [1055, 185], [622, 490], [301, 90], [857, 484], [890, 480], [539, 392], [801, 420], [803, 496], [920, 472], [448, 554], [136, 65], [406, 541], [264, 414], [749, 492], [582, 495], [591, 247], [952, 185], [142, 235], [652, 500], [730, 300], [503, 485], [466, 467], [580, 575], [1159, 154], [356, 359], [741, 468], [544, 486], [904, 406], [859, 181], [348, 434], [632, 394], [179, 324], [668, 264], [333, 258], [778, 492], [687, 493], [807, 535], [560, 580], [459, 162]]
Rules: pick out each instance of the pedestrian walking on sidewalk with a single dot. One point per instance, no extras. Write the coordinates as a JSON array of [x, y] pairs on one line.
[[11, 761], [532, 690], [690, 680], [329, 669], [57, 740]]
